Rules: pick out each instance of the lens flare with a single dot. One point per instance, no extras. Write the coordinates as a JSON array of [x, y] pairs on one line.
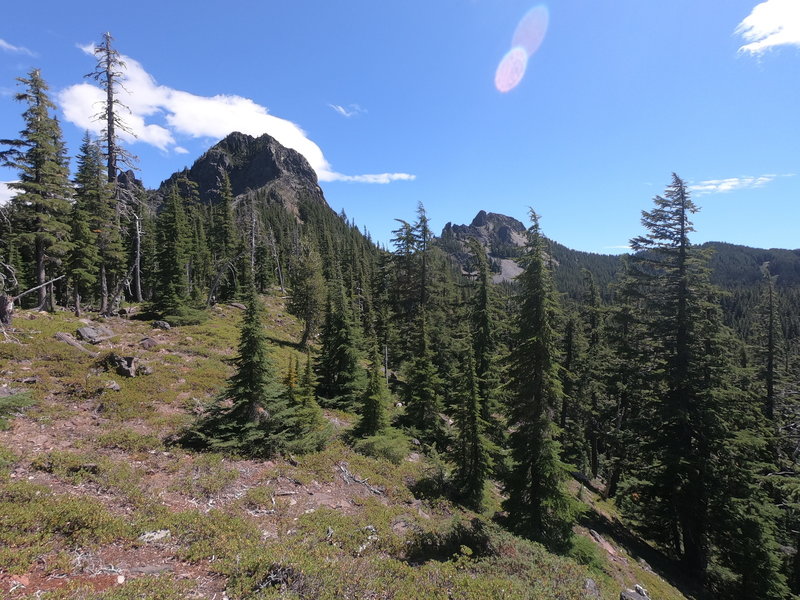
[[511, 70], [528, 36], [531, 29]]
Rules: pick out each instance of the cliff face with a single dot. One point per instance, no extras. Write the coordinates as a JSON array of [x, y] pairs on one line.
[[253, 165], [502, 236]]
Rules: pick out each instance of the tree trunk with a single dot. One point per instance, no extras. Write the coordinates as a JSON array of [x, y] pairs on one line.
[[6, 309], [41, 274], [137, 260], [103, 290], [51, 298]]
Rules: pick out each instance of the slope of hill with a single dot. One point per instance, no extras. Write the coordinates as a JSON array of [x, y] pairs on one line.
[[95, 503]]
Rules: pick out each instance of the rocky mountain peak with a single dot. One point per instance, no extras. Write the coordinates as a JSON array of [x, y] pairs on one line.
[[253, 164], [502, 236]]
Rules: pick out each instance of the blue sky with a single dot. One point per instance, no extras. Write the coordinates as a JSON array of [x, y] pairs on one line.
[[394, 103]]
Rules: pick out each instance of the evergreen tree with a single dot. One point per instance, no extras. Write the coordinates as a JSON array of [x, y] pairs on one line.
[[310, 431], [340, 374], [224, 241], [703, 458], [94, 195], [538, 503], [770, 334], [41, 207], [253, 416], [84, 257], [473, 446], [374, 416], [172, 235], [424, 404], [308, 293], [574, 411], [484, 344], [627, 379]]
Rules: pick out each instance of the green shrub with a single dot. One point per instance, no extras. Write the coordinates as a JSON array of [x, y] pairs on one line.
[[585, 552], [207, 475], [7, 459], [187, 316], [129, 440], [391, 445], [78, 468], [10, 405], [150, 588]]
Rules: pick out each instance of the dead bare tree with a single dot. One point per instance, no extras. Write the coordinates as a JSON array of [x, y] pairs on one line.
[[7, 302]]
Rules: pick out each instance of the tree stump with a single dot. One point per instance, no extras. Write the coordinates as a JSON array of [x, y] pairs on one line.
[[6, 309]]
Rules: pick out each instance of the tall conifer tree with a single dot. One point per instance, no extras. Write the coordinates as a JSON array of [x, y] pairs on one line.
[[252, 417], [538, 503], [473, 446], [41, 207], [698, 469], [172, 234]]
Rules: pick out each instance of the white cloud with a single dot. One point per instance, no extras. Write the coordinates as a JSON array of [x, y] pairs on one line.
[[376, 178], [6, 193], [186, 114], [720, 186], [350, 110], [4, 45], [770, 24]]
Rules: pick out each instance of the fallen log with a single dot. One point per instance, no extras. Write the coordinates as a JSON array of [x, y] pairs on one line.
[[65, 337], [7, 302]]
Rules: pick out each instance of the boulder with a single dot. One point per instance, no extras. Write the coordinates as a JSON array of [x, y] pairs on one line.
[[238, 305], [128, 311], [161, 325], [148, 343], [155, 536], [591, 590], [96, 334], [638, 593], [127, 366]]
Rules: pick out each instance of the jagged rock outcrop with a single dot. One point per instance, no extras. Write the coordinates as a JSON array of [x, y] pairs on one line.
[[502, 236], [254, 165]]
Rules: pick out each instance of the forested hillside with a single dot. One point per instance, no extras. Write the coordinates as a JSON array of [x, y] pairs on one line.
[[537, 397]]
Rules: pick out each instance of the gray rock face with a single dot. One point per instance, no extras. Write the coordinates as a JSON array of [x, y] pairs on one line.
[[591, 590], [127, 366], [253, 165], [95, 335], [636, 594], [148, 343], [502, 236]]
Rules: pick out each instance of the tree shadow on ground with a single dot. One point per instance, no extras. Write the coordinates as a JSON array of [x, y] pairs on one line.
[[286, 343], [667, 568]]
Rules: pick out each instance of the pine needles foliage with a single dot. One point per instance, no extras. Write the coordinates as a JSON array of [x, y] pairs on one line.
[[253, 417]]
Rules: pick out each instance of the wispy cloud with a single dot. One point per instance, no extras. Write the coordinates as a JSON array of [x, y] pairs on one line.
[[6, 192], [375, 178], [770, 24], [181, 113], [348, 111], [622, 247], [4, 45], [720, 186]]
